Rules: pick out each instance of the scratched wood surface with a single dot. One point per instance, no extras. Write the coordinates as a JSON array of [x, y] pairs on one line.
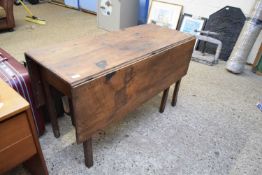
[[110, 75], [84, 59], [109, 98]]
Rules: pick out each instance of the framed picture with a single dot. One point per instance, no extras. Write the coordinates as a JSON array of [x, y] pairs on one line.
[[191, 24], [164, 14]]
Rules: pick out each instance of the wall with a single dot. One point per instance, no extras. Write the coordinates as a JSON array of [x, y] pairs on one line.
[[204, 8]]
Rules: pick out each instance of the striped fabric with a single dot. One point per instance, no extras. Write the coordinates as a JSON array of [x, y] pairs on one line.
[[15, 80]]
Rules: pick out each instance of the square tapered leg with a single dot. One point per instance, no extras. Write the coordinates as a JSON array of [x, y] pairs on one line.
[[176, 89], [163, 101], [51, 109], [88, 152]]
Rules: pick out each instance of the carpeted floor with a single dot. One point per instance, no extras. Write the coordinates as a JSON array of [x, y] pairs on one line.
[[63, 24], [215, 129]]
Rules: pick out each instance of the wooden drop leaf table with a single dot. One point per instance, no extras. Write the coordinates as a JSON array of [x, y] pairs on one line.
[[109, 75]]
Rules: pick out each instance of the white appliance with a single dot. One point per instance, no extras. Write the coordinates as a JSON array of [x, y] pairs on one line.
[[113, 15]]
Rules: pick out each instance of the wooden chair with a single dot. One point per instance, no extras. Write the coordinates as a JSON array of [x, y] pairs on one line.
[[7, 21]]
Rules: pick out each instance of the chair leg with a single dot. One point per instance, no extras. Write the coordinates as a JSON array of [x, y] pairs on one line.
[[163, 101], [176, 89]]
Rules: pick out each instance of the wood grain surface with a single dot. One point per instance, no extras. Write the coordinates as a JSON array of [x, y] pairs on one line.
[[109, 98], [84, 59], [17, 153], [11, 103], [110, 75], [10, 133], [19, 141]]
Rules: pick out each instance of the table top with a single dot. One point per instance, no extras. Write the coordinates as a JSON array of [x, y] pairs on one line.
[[11, 103], [89, 58]]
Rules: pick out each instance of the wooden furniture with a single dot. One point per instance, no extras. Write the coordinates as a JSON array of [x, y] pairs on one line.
[[110, 75], [19, 142], [6, 15]]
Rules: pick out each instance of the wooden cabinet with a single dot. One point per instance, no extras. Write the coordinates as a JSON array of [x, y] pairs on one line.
[[19, 142]]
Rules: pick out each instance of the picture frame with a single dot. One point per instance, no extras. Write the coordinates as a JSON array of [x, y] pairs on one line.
[[189, 24], [164, 14]]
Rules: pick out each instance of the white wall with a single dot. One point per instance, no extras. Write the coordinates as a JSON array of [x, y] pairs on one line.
[[204, 8]]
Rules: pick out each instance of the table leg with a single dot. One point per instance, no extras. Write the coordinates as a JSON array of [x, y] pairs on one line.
[[163, 101], [71, 111], [51, 109], [176, 89], [88, 152]]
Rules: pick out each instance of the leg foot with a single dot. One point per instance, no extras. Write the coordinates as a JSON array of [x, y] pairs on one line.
[[163, 101], [88, 152], [56, 133], [11, 30], [174, 99]]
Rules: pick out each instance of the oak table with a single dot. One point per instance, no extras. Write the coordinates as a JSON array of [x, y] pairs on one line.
[[18, 138], [109, 75]]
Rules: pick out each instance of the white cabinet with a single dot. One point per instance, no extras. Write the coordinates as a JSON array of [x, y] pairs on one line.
[[117, 14]]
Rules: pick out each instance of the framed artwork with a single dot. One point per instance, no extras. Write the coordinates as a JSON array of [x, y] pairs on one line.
[[164, 14], [190, 24]]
